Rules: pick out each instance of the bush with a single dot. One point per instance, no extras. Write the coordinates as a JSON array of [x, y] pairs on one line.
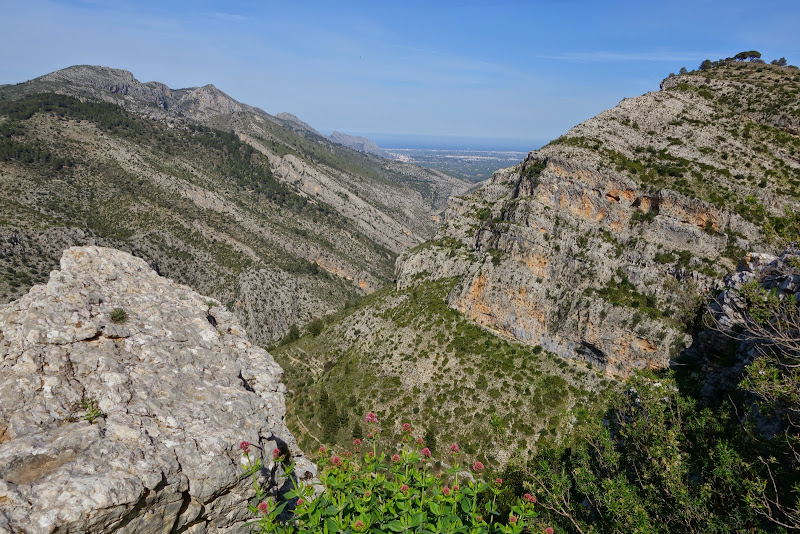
[[367, 492], [316, 326], [659, 464], [292, 335]]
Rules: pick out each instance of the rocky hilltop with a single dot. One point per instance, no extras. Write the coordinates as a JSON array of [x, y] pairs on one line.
[[600, 245], [123, 398], [212, 192], [357, 142]]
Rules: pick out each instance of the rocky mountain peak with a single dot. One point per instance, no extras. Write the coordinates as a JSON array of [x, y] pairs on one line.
[[123, 398], [208, 100], [294, 123], [252, 209], [115, 81]]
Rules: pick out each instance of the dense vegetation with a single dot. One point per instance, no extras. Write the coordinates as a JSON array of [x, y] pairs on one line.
[[667, 458], [371, 492]]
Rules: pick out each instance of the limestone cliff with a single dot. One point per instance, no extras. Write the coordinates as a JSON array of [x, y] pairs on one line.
[[123, 397], [600, 245]]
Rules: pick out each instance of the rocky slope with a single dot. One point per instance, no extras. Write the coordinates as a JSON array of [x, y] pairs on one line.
[[407, 356], [599, 245], [211, 191], [357, 142], [123, 398]]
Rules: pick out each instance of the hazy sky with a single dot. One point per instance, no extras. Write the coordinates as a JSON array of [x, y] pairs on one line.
[[520, 71]]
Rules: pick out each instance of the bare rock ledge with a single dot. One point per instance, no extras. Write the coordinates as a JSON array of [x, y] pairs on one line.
[[178, 385]]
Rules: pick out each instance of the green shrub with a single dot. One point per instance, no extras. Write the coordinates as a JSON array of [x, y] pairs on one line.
[[118, 316], [367, 492], [316, 326]]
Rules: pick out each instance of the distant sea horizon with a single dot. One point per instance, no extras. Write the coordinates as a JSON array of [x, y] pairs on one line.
[[441, 142]]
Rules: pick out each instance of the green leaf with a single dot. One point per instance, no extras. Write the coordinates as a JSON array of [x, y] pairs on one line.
[[466, 506], [395, 526], [330, 526], [331, 510], [417, 519]]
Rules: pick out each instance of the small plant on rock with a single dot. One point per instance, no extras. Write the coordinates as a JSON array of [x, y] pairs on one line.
[[92, 411], [119, 316]]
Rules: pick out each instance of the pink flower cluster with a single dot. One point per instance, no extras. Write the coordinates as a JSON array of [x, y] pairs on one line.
[[336, 460], [426, 452], [244, 446], [454, 449], [549, 530], [263, 507], [404, 488], [529, 498], [407, 427], [371, 418], [477, 466]]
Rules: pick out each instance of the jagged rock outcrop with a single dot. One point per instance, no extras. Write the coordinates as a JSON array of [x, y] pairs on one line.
[[601, 245], [720, 353], [208, 101], [116, 83], [178, 386]]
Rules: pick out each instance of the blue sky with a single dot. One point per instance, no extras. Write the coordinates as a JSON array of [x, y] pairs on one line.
[[515, 72]]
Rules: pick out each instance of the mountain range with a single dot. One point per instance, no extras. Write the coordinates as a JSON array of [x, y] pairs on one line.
[[597, 253], [259, 211], [530, 319]]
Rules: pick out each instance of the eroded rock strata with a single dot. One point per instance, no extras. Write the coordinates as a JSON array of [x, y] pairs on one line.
[[604, 244]]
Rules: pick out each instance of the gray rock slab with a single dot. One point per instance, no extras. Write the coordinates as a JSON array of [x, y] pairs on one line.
[[176, 395]]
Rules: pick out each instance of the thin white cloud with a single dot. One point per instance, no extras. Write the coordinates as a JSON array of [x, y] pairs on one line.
[[656, 56]]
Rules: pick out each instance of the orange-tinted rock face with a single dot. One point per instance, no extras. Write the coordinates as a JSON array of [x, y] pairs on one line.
[[478, 308], [647, 204], [537, 264], [603, 249], [519, 314], [568, 242], [689, 213]]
